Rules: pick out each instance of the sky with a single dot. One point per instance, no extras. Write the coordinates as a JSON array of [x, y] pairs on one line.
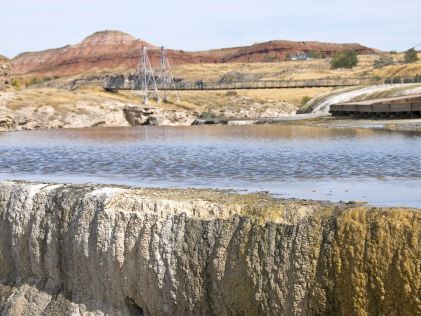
[[31, 25]]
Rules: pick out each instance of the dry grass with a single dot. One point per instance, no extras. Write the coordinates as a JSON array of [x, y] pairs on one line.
[[99, 92], [194, 101], [401, 70], [203, 100], [34, 97], [293, 96], [199, 101], [58, 97], [287, 70]]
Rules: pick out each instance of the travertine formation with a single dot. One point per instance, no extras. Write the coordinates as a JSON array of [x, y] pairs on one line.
[[95, 250], [116, 51]]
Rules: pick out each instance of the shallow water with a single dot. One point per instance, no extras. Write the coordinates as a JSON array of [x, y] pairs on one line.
[[380, 167]]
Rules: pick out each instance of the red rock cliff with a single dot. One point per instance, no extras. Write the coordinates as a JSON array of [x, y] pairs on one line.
[[114, 50]]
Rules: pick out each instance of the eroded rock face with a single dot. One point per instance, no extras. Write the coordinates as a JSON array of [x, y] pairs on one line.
[[82, 114], [91, 250], [105, 50], [278, 50], [44, 109]]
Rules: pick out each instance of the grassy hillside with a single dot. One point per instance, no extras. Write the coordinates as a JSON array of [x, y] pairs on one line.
[[221, 103], [289, 70]]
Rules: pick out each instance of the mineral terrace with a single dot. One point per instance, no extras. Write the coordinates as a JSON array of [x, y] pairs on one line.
[[105, 250]]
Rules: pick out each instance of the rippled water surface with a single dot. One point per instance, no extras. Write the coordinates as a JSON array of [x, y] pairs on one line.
[[304, 162]]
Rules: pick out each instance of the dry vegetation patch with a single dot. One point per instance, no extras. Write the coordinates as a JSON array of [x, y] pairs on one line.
[[285, 70]]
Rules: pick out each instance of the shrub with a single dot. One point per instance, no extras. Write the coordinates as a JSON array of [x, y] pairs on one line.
[[393, 52], [382, 61], [34, 81], [228, 79], [314, 54], [16, 84], [305, 99], [411, 56], [347, 59], [207, 115]]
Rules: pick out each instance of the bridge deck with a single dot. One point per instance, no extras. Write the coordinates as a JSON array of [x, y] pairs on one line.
[[121, 83]]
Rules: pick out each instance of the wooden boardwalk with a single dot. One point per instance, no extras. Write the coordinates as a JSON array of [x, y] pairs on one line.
[[129, 83], [389, 107]]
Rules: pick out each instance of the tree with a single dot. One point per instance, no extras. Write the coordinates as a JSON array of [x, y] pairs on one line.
[[346, 59], [411, 56]]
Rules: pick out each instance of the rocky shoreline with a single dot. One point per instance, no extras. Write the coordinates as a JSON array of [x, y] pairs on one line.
[[323, 120], [45, 108], [97, 250], [399, 125], [88, 115]]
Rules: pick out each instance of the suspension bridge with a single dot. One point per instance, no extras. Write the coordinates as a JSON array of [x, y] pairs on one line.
[[131, 82], [160, 84], [152, 83]]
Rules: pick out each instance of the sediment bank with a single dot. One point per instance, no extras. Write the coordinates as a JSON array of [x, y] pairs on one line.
[[95, 250]]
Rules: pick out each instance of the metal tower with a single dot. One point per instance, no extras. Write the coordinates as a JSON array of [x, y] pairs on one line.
[[165, 77], [151, 82], [146, 77]]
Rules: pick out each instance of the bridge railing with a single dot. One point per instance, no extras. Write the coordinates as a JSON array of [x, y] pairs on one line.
[[276, 84], [403, 79], [131, 83]]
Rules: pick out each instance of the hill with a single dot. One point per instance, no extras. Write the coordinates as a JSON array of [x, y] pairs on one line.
[[117, 51]]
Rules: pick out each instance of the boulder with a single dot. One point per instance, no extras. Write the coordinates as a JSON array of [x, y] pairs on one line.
[[138, 115]]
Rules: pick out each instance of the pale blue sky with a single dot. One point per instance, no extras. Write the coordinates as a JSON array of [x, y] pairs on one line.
[[29, 25]]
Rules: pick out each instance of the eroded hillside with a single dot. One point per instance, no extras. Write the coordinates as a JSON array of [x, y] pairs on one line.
[[116, 51]]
